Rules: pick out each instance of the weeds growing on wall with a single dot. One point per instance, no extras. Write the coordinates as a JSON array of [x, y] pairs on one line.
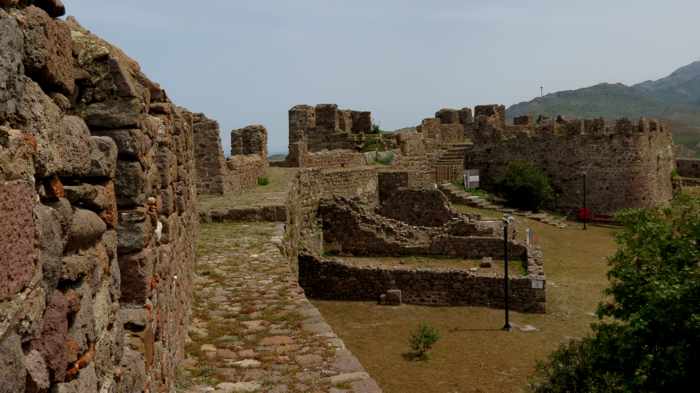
[[263, 181]]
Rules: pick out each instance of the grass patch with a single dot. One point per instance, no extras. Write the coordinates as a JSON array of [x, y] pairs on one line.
[[263, 181]]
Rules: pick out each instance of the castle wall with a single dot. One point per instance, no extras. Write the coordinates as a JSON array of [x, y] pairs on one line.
[[628, 165], [688, 167], [97, 201]]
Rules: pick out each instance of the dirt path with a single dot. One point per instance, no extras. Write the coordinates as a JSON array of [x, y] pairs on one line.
[[253, 330]]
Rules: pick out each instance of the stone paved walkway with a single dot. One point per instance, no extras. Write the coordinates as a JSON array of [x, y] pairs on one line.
[[253, 330]]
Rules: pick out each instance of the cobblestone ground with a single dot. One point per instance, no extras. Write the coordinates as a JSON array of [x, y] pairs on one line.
[[253, 330]]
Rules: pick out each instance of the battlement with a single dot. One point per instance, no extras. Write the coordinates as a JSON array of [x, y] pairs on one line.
[[306, 122], [249, 140], [489, 126]]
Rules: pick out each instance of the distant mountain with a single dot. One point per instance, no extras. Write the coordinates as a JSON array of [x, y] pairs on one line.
[[675, 98]]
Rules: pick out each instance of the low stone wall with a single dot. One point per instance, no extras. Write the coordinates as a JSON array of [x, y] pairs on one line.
[[688, 167], [334, 280]]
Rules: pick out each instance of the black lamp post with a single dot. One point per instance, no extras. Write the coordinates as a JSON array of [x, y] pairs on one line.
[[585, 209], [506, 221]]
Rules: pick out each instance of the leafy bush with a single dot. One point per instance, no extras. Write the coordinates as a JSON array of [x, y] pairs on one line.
[[422, 340], [648, 336], [525, 186], [263, 181], [376, 129]]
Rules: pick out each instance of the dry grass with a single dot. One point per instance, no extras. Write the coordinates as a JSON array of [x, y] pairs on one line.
[[474, 355]]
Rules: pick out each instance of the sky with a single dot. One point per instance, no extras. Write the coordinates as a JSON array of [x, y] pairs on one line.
[[247, 62]]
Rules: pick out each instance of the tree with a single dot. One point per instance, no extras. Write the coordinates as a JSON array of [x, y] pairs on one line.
[[525, 186], [647, 338]]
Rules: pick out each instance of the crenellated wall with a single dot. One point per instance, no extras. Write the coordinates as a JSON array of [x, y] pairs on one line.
[[97, 200], [628, 164]]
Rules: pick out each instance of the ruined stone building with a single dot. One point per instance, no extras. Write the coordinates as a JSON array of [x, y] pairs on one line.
[[97, 204], [218, 175]]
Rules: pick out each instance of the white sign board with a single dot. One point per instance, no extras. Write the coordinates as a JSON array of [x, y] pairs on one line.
[[471, 179], [537, 284]]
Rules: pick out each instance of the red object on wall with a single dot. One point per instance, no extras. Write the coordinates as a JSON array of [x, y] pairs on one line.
[[584, 214]]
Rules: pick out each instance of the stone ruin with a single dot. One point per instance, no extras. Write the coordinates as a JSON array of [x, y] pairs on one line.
[[325, 136], [97, 201], [217, 175], [368, 212]]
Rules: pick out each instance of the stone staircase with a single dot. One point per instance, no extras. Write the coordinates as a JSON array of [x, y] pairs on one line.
[[457, 195], [449, 164]]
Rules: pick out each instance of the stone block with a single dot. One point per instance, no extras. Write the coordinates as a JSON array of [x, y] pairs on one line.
[[134, 231], [86, 229], [103, 157], [48, 49], [116, 113], [51, 343], [131, 184], [137, 273], [12, 369], [393, 297], [132, 144], [50, 237], [17, 233], [10, 64], [72, 144]]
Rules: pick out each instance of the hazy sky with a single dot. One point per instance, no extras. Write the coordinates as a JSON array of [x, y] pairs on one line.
[[248, 61]]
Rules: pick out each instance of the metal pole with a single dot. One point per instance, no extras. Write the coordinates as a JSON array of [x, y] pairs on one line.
[[585, 210], [506, 327]]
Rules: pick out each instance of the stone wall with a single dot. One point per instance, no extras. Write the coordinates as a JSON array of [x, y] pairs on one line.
[[628, 165], [97, 204], [219, 176], [209, 156], [310, 186], [414, 205], [688, 167], [330, 159], [325, 129], [329, 279]]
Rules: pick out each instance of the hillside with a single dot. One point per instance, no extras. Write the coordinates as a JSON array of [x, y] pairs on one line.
[[675, 98]]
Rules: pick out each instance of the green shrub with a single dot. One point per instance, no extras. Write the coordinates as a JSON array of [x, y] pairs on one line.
[[646, 339], [263, 181], [376, 129], [524, 186], [422, 340]]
